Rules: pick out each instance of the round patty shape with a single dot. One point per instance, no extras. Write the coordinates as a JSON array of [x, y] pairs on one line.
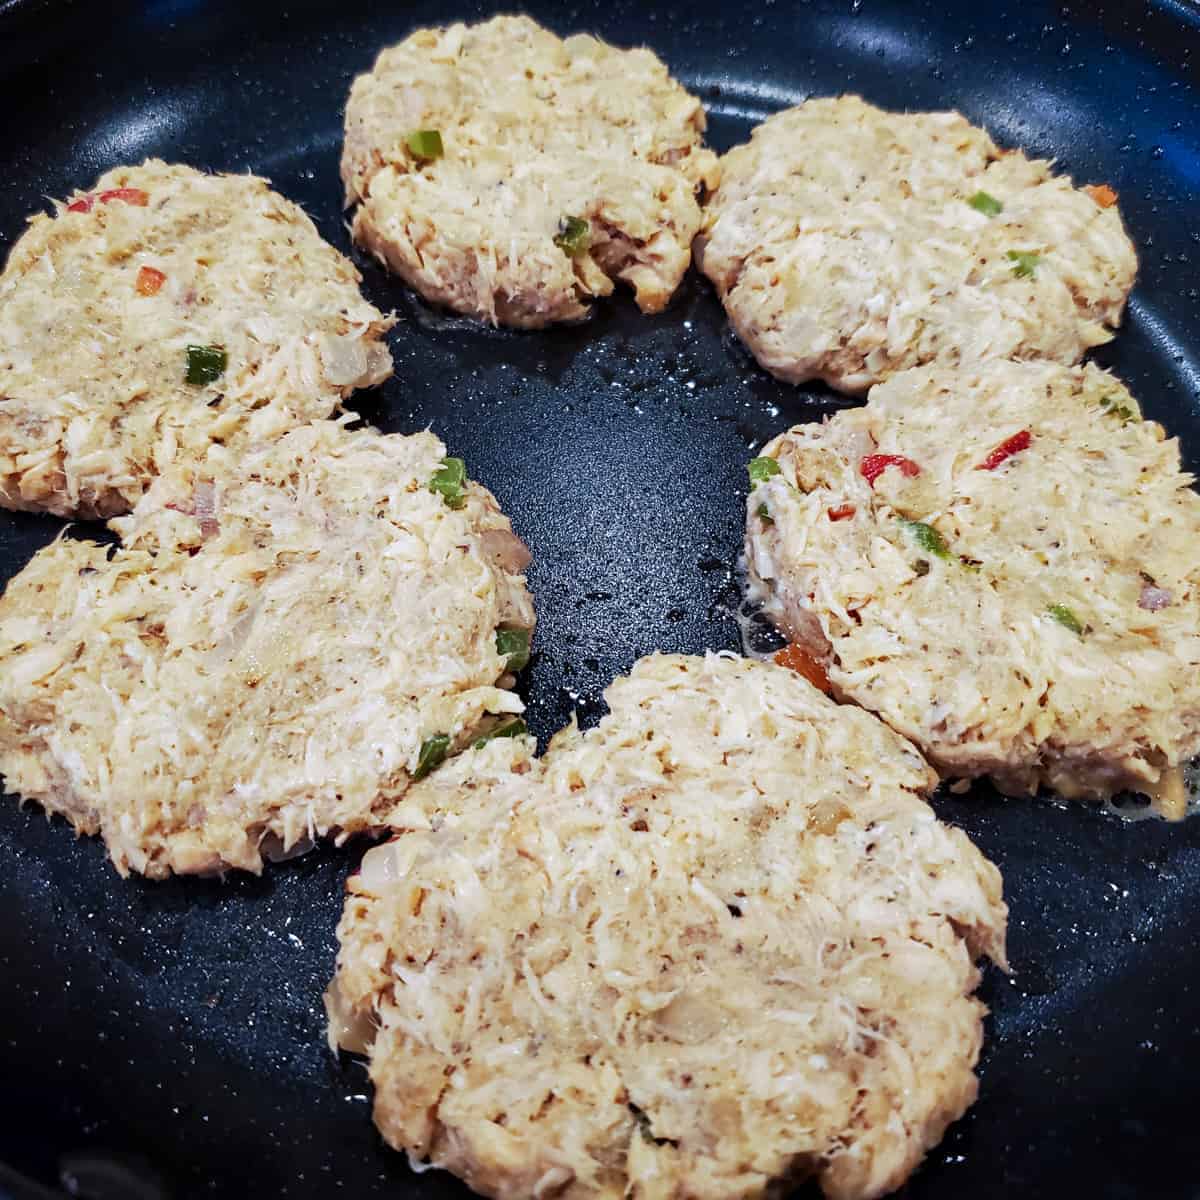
[[848, 243], [1004, 564], [161, 312], [719, 942], [564, 165], [270, 657]]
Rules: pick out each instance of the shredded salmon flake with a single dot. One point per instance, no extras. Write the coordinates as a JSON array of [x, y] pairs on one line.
[[1102, 194]]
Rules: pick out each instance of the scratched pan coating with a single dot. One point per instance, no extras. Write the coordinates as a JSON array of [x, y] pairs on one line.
[[168, 1039]]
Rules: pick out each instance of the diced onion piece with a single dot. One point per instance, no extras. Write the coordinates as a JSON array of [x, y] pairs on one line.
[[204, 498], [344, 360], [273, 849], [691, 1019], [349, 1029], [380, 867], [505, 550], [1154, 599]]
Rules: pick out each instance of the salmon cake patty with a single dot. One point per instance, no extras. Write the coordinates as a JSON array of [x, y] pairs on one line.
[[717, 944], [1004, 564], [513, 176], [272, 655], [159, 313], [848, 243]]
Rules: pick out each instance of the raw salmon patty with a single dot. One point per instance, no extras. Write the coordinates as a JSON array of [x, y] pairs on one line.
[[161, 313], [1004, 564], [849, 243], [284, 640], [513, 176], [718, 943]]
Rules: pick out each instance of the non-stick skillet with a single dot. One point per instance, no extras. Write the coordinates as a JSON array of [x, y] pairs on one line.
[[168, 1039]]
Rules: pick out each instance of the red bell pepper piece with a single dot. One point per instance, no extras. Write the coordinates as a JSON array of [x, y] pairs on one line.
[[797, 659], [874, 465], [1006, 449], [149, 280]]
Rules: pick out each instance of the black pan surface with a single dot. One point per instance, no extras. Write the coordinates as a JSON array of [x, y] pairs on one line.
[[168, 1039]]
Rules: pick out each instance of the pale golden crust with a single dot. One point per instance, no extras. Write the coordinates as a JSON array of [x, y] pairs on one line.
[[261, 662], [98, 306], [962, 652], [845, 247], [535, 129], [718, 942]]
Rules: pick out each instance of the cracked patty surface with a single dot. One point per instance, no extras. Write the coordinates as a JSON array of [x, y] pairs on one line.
[[719, 941]]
